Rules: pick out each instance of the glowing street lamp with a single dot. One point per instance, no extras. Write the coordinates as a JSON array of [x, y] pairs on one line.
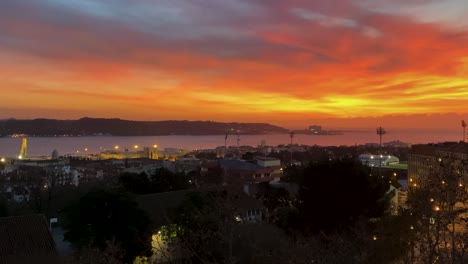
[[2, 160], [437, 208], [135, 147], [116, 147]]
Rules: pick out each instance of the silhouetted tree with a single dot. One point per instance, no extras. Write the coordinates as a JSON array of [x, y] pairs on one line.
[[3, 209], [335, 194], [438, 207], [135, 183], [101, 217], [163, 180]]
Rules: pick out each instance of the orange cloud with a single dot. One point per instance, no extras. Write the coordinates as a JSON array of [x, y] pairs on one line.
[[285, 61]]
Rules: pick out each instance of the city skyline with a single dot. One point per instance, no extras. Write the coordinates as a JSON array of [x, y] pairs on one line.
[[282, 62]]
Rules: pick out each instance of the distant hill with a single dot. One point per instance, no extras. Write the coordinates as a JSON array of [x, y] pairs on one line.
[[118, 127]]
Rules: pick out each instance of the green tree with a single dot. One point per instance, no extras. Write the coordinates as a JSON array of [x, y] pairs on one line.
[[103, 216]]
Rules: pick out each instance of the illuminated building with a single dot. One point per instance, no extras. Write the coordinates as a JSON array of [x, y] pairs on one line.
[[147, 152], [378, 160], [423, 159]]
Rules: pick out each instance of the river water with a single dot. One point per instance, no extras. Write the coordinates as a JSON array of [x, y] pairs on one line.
[[41, 146]]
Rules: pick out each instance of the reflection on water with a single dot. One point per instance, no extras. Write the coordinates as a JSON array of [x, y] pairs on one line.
[[67, 145]]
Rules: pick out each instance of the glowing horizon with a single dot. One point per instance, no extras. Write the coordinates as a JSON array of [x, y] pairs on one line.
[[223, 60]]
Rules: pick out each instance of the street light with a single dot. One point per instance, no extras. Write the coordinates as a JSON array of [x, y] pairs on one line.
[[2, 160], [116, 147], [135, 147]]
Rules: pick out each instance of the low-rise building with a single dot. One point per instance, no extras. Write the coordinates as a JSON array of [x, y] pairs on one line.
[[372, 160]]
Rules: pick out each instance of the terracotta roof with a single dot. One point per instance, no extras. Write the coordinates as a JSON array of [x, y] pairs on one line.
[[425, 150], [430, 149], [26, 239], [460, 147]]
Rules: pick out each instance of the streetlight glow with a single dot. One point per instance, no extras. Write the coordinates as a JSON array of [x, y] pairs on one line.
[[2, 159], [116, 147]]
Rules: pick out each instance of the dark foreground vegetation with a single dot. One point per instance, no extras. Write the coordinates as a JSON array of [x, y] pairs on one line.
[[341, 214]]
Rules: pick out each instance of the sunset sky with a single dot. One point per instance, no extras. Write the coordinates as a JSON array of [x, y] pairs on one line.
[[285, 62]]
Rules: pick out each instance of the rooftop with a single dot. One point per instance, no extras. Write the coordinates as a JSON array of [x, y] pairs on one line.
[[430, 149], [266, 158], [239, 165], [26, 239]]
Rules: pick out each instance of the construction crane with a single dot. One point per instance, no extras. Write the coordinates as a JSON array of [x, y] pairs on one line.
[[464, 130], [24, 148], [225, 139], [291, 135]]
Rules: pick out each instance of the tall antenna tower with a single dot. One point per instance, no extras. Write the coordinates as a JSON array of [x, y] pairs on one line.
[[464, 130], [381, 131], [24, 148], [291, 135]]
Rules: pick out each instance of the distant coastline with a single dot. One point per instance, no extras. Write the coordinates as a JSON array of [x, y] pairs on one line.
[[88, 127]]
